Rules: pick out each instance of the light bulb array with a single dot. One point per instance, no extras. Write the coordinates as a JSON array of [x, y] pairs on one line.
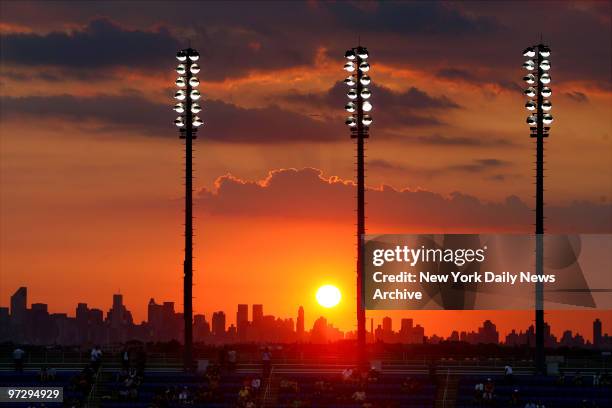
[[187, 95], [538, 78], [358, 94]]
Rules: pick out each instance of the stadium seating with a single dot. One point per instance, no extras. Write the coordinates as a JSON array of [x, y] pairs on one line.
[[538, 389], [388, 390]]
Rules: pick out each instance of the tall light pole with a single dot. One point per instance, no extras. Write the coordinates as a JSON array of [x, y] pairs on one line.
[[359, 122], [538, 79], [188, 123]]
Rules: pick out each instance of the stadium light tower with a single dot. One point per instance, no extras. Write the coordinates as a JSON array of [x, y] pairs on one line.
[[188, 123], [359, 122], [538, 79]]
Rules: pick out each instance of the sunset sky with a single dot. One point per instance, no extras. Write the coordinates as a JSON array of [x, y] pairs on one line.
[[91, 163]]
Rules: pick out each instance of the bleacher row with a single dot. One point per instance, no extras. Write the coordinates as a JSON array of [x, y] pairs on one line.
[[387, 391], [155, 383], [537, 389]]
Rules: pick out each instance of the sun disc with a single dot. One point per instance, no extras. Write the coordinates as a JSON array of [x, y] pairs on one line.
[[328, 296]]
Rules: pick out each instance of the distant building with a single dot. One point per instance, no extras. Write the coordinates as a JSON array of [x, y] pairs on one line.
[[597, 334], [324, 333], [201, 328], [119, 320], [568, 339], [387, 330], [527, 338], [40, 328], [5, 321], [257, 314], [408, 333], [218, 324], [19, 302], [300, 324], [164, 324], [242, 321], [487, 334]]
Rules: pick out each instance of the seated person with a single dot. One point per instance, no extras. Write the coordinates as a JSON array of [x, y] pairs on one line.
[[289, 385], [515, 398], [256, 385], [373, 375], [489, 387], [43, 374], [243, 394], [578, 379], [184, 395], [508, 374], [359, 396], [478, 391], [560, 379]]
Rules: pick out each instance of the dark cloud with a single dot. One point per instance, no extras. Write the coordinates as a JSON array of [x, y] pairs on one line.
[[382, 164], [122, 112], [437, 139], [131, 112], [423, 18], [101, 44], [306, 193], [266, 125], [455, 73], [577, 96], [484, 166], [412, 107], [385, 98], [479, 165], [413, 98], [226, 122], [504, 178], [235, 52], [229, 52], [467, 76], [237, 37]]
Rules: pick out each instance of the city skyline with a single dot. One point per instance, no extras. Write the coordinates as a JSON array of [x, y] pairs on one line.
[[251, 324]]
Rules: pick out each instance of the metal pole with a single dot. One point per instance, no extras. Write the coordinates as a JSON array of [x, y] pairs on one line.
[[539, 222], [361, 318], [188, 262]]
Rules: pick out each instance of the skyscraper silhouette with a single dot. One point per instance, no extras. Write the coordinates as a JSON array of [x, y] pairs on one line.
[[300, 324], [597, 333], [218, 324], [242, 321], [19, 302], [257, 314]]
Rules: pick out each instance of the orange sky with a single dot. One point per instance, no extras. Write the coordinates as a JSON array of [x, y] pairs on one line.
[[90, 201]]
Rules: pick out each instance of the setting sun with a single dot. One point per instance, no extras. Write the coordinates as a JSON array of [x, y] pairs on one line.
[[328, 296]]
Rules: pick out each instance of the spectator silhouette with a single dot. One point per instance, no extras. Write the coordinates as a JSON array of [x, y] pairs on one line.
[[96, 358], [266, 359], [18, 355], [125, 359]]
